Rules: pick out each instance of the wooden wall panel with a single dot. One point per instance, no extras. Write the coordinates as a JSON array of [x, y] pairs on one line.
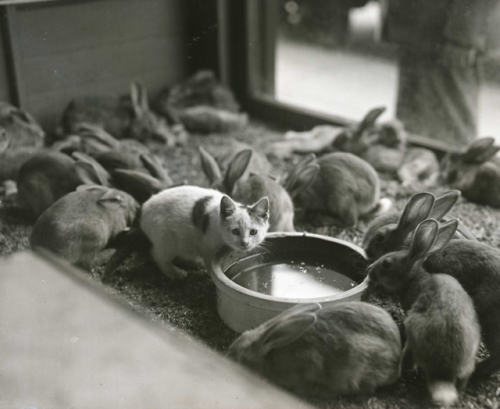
[[5, 84], [67, 49]]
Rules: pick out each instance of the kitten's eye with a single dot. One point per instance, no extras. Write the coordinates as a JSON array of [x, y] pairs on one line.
[[253, 232], [387, 263], [236, 232]]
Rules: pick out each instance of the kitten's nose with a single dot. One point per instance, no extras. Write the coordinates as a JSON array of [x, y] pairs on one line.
[[245, 244]]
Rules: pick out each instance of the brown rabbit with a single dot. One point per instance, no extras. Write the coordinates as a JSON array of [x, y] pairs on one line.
[[443, 333], [350, 347]]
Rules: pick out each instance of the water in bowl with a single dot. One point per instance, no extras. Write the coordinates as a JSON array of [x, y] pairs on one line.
[[293, 280]]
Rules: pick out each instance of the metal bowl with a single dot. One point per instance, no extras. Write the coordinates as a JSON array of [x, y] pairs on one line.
[[306, 256]]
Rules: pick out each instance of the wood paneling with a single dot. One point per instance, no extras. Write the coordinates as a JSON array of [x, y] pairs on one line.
[[5, 87], [67, 49]]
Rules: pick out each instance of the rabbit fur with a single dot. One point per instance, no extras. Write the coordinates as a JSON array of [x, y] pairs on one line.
[[350, 347], [475, 172], [250, 189], [119, 118], [389, 231], [346, 187], [80, 225], [44, 179], [443, 333]]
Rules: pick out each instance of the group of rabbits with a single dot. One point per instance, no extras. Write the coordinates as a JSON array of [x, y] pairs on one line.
[[84, 186], [475, 170], [449, 287]]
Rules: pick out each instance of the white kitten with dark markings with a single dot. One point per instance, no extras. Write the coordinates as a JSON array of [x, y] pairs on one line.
[[192, 222]]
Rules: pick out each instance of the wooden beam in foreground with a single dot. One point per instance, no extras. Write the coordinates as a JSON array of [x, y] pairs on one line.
[[64, 343]]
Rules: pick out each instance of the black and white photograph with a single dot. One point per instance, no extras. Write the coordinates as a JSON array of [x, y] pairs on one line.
[[225, 204]]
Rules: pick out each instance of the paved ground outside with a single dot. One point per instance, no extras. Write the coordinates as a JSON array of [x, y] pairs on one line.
[[349, 84]]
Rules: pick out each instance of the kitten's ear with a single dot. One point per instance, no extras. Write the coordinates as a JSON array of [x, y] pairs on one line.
[[261, 208], [227, 207]]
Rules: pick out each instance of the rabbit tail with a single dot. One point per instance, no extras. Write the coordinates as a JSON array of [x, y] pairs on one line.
[[443, 393]]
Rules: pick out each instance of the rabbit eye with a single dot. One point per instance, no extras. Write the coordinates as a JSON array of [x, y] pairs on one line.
[[253, 232], [236, 232], [387, 263]]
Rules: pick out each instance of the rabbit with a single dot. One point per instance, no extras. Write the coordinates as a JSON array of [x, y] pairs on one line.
[[202, 105], [21, 128], [20, 138], [118, 118], [202, 89], [476, 266], [357, 138], [388, 232], [387, 151], [81, 224], [442, 328], [258, 162], [475, 172], [317, 140], [346, 187], [44, 179], [205, 120], [252, 188], [140, 184], [143, 185], [419, 165], [348, 348]]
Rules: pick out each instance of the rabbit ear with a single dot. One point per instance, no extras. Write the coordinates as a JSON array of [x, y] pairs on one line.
[[296, 309], [417, 209], [444, 234], [139, 98], [304, 178], [464, 231], [237, 168], [156, 170], [424, 237], [210, 167], [368, 121], [443, 204], [86, 130], [111, 198], [285, 332], [89, 167], [480, 150], [138, 184]]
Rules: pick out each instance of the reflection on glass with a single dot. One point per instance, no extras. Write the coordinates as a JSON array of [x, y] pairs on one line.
[[344, 57], [294, 280]]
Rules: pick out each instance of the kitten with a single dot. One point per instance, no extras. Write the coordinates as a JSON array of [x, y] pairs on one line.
[[192, 222]]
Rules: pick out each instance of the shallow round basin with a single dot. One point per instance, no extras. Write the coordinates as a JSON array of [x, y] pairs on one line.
[[291, 268]]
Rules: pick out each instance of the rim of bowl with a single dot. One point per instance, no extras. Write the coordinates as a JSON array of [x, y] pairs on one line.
[[222, 281]]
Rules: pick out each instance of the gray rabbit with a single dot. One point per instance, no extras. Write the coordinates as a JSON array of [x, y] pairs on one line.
[[442, 328], [348, 348]]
